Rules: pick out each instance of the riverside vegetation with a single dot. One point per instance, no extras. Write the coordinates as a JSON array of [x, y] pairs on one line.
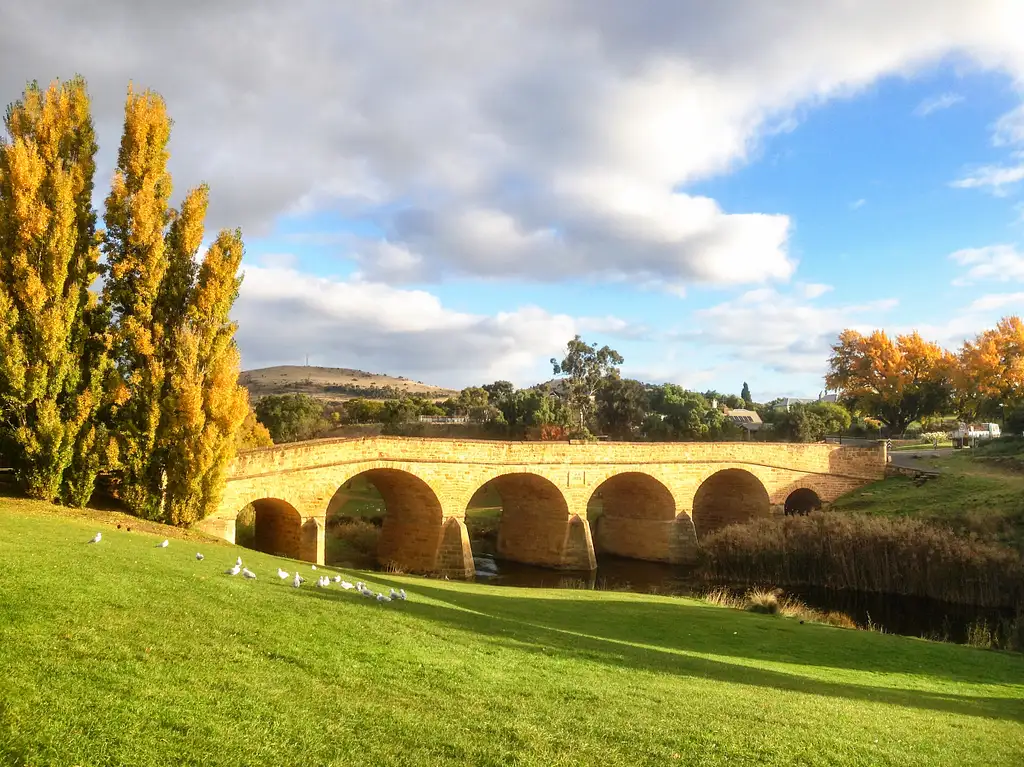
[[459, 674]]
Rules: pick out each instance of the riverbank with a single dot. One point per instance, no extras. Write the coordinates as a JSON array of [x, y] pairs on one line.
[[975, 493], [123, 652]]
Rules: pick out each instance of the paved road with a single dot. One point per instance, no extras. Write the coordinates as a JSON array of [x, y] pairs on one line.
[[911, 459]]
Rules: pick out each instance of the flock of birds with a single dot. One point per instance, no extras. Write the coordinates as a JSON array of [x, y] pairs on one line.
[[322, 582]]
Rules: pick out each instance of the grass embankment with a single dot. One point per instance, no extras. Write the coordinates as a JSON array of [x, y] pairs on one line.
[[979, 493], [125, 653]]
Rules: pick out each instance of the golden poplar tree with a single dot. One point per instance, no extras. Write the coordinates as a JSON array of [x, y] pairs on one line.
[[136, 217], [52, 345], [205, 406]]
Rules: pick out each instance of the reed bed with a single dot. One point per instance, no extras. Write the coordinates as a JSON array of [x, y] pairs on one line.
[[865, 553]]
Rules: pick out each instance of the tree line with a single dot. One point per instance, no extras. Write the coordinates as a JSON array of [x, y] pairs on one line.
[[588, 397], [883, 385], [903, 379], [117, 353]]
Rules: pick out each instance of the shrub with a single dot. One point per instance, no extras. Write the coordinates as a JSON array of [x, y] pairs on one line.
[[865, 553], [352, 541], [762, 601]]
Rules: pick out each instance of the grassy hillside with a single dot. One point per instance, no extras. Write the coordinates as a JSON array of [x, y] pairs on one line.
[[980, 493], [331, 384], [123, 653]]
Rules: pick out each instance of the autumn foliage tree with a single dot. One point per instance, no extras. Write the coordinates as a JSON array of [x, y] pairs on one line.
[[895, 380], [990, 374], [178, 407], [143, 380], [52, 344]]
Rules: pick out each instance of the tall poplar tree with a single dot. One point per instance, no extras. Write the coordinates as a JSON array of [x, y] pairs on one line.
[[52, 345], [137, 216], [205, 406]]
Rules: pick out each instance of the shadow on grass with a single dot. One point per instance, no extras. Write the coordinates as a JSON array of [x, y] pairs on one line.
[[612, 633]]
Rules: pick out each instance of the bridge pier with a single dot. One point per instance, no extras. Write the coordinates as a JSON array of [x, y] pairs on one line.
[[311, 544], [454, 555]]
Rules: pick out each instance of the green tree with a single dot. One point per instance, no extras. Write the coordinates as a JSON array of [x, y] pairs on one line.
[[745, 396], [291, 417], [52, 350], [622, 405], [583, 368]]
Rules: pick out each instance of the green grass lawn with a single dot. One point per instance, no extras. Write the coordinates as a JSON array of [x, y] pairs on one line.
[[122, 653], [972, 494]]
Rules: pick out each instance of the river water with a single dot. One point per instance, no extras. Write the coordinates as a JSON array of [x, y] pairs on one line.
[[894, 614]]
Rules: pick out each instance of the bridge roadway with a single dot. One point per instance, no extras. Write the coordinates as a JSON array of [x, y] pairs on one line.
[[561, 502]]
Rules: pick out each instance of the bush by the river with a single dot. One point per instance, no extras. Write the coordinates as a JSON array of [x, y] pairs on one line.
[[865, 553], [351, 541]]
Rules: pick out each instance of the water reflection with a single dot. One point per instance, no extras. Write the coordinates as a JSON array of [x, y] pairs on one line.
[[911, 616]]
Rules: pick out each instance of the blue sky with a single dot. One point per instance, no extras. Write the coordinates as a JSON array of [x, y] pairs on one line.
[[451, 193]]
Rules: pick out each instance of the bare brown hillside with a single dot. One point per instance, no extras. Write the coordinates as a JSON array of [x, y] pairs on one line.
[[334, 384]]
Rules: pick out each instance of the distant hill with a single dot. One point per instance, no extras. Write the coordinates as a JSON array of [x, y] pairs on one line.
[[334, 384]]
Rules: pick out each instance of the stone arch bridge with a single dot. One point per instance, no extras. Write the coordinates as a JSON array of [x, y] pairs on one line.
[[658, 500]]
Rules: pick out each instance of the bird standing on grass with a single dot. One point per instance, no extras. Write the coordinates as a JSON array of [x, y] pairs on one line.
[[199, 556], [282, 574], [336, 579], [346, 585], [247, 573], [233, 571], [164, 544], [297, 581], [96, 538]]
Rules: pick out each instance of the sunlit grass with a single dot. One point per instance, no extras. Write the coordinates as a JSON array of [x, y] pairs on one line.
[[122, 653]]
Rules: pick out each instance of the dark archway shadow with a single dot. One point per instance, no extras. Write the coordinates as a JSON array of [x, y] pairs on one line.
[[632, 515], [528, 515], [728, 497], [270, 525], [672, 638], [803, 500], [393, 517]]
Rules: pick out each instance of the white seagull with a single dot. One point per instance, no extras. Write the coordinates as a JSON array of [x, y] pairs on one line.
[[199, 556], [336, 579], [96, 538], [282, 574], [313, 566], [401, 594], [233, 571], [246, 572], [346, 585], [164, 544], [238, 561], [383, 598], [297, 581]]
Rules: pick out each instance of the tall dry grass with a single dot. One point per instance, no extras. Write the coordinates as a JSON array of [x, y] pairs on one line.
[[865, 553], [775, 602]]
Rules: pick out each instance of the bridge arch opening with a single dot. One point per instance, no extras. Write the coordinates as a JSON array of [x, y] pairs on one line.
[[728, 497], [384, 516], [522, 517], [803, 500], [270, 525], [632, 515]]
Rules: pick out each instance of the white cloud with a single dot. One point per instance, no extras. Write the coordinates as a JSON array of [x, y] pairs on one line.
[[283, 315], [857, 204], [783, 332], [813, 289], [994, 177], [995, 263], [1009, 129], [543, 140], [937, 103], [994, 301]]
